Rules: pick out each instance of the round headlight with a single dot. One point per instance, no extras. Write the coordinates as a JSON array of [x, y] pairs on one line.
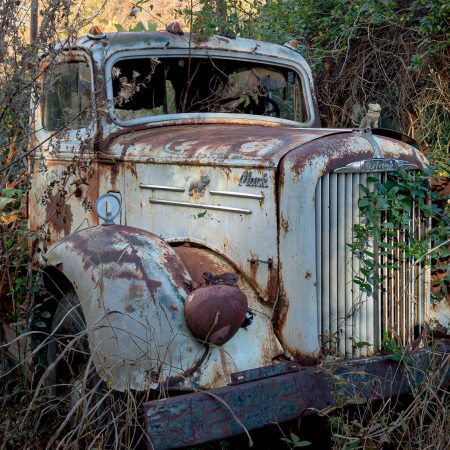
[[108, 207]]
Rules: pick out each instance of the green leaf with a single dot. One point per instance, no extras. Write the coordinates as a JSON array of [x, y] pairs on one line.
[[118, 27], [41, 324], [138, 27], [363, 202], [5, 202], [45, 315], [152, 26], [362, 344], [11, 192]]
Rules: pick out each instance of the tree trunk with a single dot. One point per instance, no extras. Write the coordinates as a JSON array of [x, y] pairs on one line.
[[34, 21]]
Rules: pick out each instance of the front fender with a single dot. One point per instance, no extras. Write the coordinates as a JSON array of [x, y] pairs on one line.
[[131, 286]]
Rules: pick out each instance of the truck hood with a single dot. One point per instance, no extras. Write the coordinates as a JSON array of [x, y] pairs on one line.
[[214, 144]]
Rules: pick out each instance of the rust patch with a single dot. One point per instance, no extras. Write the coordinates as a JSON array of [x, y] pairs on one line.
[[133, 171], [272, 285], [198, 262], [281, 309], [253, 268], [96, 246], [59, 214], [284, 224], [215, 313], [340, 151], [191, 144], [114, 171], [304, 359]]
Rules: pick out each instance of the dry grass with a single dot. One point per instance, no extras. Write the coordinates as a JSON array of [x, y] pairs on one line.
[[419, 420]]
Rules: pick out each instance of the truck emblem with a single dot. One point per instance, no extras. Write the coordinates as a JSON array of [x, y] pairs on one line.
[[197, 187], [247, 179], [377, 165]]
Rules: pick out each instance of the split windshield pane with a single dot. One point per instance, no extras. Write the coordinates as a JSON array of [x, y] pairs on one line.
[[145, 87]]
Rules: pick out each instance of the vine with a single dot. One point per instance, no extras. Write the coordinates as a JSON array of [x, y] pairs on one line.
[[390, 233]]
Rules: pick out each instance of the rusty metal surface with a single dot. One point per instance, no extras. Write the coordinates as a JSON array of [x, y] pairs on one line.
[[131, 286], [213, 144], [247, 236], [231, 157], [204, 416], [259, 335], [215, 313], [114, 42], [242, 188], [298, 313]]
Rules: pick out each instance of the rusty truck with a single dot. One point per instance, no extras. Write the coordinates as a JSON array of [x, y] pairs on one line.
[[203, 243]]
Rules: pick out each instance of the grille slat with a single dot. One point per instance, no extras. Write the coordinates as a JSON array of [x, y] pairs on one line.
[[348, 314], [333, 282], [348, 264], [325, 237], [341, 267], [355, 265]]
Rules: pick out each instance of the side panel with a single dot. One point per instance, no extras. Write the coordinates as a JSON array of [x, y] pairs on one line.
[[59, 201], [172, 202], [253, 346]]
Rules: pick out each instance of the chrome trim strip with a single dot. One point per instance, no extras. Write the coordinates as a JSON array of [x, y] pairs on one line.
[[201, 206], [377, 165], [157, 187], [238, 194]]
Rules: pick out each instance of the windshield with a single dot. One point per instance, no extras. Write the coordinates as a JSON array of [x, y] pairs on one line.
[[145, 87]]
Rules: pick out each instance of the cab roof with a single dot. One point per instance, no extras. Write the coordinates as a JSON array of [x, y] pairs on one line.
[[146, 40]]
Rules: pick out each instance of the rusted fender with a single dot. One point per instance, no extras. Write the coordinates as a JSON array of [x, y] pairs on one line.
[[131, 286]]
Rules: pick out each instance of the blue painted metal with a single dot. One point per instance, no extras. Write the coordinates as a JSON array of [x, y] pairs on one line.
[[284, 393]]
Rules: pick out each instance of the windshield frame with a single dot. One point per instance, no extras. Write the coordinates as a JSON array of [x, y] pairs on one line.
[[207, 53]]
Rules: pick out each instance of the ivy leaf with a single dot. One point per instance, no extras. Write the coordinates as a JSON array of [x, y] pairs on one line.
[[5, 202], [363, 202], [138, 27]]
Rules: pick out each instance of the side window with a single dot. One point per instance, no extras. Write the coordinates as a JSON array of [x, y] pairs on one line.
[[67, 102]]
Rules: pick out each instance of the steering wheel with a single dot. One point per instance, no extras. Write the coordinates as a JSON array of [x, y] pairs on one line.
[[275, 109]]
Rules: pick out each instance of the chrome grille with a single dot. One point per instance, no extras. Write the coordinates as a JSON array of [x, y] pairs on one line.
[[347, 314]]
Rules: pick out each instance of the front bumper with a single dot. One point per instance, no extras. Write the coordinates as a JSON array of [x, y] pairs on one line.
[[283, 392]]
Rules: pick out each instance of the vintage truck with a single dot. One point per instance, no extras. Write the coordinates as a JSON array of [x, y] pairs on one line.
[[220, 267]]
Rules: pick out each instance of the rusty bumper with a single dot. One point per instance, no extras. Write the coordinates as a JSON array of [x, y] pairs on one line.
[[283, 392]]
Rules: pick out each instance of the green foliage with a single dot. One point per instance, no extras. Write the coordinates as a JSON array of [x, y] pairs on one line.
[[385, 210], [396, 352], [139, 26], [295, 442], [391, 52]]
